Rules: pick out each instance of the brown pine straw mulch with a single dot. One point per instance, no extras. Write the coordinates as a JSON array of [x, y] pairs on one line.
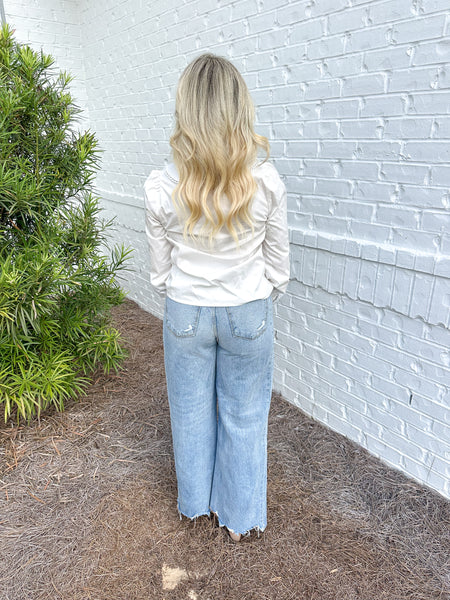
[[88, 507]]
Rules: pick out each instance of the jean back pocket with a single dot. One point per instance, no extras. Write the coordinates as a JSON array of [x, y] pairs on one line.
[[181, 319], [249, 320]]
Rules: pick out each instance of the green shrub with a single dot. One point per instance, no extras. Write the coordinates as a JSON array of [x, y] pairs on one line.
[[56, 286]]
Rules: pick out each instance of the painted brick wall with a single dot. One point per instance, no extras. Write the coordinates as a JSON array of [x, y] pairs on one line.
[[53, 25], [354, 97]]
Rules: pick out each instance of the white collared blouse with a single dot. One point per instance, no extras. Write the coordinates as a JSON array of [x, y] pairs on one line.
[[224, 274]]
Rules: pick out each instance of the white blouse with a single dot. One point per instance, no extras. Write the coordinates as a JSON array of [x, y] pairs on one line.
[[225, 274]]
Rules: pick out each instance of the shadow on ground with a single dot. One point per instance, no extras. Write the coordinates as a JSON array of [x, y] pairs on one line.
[[88, 507]]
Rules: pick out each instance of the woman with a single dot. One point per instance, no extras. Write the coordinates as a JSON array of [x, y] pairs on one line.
[[217, 230]]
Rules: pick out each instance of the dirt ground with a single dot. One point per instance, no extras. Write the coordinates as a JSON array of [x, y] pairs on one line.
[[88, 507]]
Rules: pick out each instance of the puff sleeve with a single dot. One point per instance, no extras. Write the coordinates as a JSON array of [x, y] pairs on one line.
[[160, 247], [276, 243]]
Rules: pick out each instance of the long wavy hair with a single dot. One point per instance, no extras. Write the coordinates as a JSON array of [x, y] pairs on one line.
[[214, 147]]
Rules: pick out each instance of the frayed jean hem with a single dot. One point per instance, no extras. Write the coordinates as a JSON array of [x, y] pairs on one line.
[[207, 512], [257, 528], [199, 514]]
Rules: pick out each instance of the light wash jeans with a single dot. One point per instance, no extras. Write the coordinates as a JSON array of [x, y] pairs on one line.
[[219, 368]]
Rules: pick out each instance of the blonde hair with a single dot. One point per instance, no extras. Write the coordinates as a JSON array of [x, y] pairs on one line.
[[214, 146]]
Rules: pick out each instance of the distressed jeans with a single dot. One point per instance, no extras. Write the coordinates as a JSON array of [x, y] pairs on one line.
[[219, 368]]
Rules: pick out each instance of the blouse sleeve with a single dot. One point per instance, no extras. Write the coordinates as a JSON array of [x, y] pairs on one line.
[[160, 247], [276, 243]]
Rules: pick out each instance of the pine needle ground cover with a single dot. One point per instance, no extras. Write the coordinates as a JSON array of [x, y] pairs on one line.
[[88, 506], [56, 283]]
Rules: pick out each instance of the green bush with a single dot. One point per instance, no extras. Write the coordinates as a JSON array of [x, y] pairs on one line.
[[56, 286]]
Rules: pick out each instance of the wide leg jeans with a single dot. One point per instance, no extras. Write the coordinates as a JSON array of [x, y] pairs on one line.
[[219, 369]]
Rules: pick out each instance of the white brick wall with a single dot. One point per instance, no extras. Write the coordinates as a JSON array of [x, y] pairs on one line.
[[354, 96], [53, 25]]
